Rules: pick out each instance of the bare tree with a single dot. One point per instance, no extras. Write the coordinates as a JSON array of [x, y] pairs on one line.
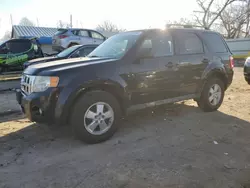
[[235, 20], [210, 11], [26, 22], [61, 24], [109, 26], [6, 36], [181, 22]]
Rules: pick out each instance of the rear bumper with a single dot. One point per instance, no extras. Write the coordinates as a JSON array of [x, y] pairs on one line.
[[247, 74], [230, 76]]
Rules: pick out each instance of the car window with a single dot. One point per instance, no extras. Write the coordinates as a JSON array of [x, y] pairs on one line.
[[75, 32], [85, 51], [215, 42], [18, 46], [116, 46], [83, 33], [159, 45], [60, 32], [189, 43], [96, 35], [3, 48], [67, 51]]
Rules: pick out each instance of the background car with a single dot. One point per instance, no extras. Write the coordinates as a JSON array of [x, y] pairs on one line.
[[65, 38], [247, 70], [74, 51], [14, 52]]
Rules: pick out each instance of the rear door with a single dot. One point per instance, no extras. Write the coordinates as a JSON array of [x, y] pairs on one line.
[[85, 37], [96, 37], [192, 60]]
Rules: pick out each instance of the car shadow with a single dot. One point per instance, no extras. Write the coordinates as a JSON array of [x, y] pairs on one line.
[[200, 147]]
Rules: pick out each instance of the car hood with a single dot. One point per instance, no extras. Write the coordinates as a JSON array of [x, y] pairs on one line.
[[59, 65], [42, 59]]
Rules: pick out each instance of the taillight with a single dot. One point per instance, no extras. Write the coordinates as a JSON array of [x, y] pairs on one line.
[[62, 36], [231, 60]]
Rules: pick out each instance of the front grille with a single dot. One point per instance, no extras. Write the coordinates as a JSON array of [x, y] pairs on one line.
[[26, 83]]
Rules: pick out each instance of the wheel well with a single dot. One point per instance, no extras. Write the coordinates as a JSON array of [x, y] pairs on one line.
[[72, 43], [220, 76], [108, 88]]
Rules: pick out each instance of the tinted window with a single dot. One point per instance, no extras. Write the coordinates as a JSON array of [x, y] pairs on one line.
[[159, 45], [85, 51], [96, 35], [18, 46], [67, 51], [83, 33], [189, 43], [215, 42], [61, 31], [75, 32]]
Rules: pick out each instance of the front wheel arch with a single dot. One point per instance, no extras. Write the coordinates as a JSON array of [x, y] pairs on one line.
[[114, 90]]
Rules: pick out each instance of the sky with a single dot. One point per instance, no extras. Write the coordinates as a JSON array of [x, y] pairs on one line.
[[127, 14]]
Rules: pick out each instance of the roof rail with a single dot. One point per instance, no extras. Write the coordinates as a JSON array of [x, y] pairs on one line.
[[184, 26]]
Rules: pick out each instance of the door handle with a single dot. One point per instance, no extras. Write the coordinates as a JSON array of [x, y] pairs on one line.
[[205, 60], [169, 65]]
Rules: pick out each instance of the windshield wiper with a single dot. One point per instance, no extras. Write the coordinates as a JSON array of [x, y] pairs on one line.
[[94, 56]]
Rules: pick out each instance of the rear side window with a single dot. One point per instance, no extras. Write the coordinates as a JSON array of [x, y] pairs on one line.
[[61, 31], [189, 43], [96, 35], [83, 33], [18, 46], [215, 42]]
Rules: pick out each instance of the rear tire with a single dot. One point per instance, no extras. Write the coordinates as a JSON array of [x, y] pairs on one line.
[[95, 116], [212, 95]]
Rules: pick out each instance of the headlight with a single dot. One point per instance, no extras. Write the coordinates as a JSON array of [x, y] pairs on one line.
[[42, 83]]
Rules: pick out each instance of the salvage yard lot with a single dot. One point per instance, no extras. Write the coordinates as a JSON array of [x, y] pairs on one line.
[[169, 146]]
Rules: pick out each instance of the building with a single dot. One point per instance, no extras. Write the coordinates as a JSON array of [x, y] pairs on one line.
[[240, 48], [44, 35]]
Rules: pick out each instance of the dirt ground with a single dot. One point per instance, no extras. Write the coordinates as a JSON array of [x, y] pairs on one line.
[[173, 146]]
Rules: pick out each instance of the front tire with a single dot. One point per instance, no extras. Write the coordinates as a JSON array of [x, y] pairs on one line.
[[95, 116], [212, 95]]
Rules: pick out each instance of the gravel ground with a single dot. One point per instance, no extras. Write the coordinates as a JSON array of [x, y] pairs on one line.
[[8, 103], [174, 146]]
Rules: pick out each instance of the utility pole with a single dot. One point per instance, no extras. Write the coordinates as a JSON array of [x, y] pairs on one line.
[[37, 22], [71, 25], [11, 21]]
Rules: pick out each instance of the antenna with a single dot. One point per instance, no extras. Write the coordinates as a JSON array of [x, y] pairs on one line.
[[71, 21]]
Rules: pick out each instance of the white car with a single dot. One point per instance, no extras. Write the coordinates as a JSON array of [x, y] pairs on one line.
[[65, 38]]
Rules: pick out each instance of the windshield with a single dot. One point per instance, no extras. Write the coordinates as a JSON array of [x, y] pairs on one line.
[[67, 51], [116, 46]]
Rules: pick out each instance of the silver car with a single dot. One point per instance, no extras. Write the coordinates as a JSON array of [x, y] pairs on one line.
[[65, 38]]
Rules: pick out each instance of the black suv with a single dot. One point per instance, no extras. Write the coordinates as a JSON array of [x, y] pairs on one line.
[[129, 71]]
